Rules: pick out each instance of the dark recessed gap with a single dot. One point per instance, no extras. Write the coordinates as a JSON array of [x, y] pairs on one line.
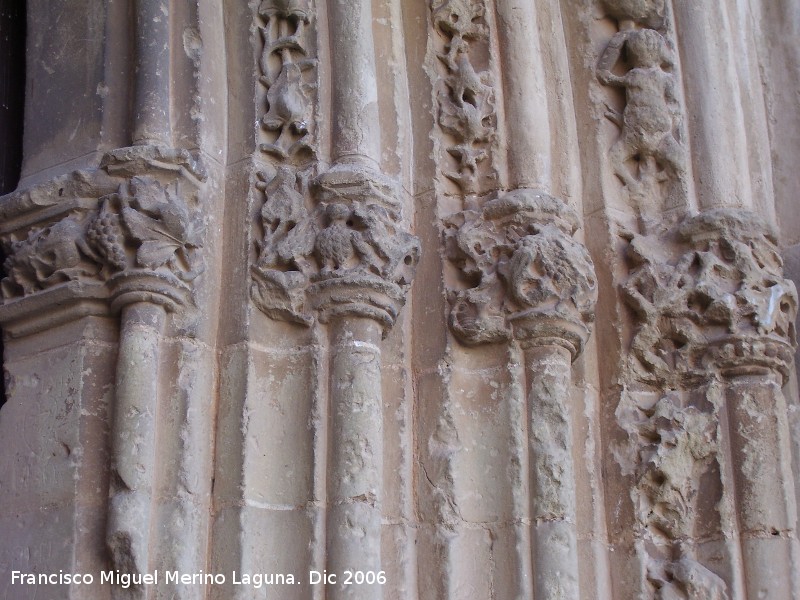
[[12, 102]]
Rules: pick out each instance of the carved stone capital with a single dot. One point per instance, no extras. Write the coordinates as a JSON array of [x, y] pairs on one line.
[[127, 231], [530, 278], [349, 255], [709, 294]]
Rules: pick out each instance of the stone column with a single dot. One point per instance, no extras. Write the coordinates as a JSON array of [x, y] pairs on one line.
[[754, 355], [348, 262], [355, 130], [145, 234], [537, 286], [152, 74], [133, 440], [715, 338], [719, 137], [355, 474]]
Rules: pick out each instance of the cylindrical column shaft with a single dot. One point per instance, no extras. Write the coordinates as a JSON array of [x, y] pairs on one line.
[[552, 473], [525, 96], [152, 79], [716, 125], [761, 459], [355, 474], [355, 130], [133, 437]]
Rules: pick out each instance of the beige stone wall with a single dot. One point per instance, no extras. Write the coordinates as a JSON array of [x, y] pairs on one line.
[[476, 298]]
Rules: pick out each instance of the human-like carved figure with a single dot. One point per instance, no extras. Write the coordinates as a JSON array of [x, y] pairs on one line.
[[651, 111]]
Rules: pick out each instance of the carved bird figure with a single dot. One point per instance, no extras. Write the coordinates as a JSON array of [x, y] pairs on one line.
[[335, 246]]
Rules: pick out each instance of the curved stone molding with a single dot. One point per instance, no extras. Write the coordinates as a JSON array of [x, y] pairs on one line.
[[350, 255], [289, 74], [467, 114], [722, 304], [648, 151], [531, 279]]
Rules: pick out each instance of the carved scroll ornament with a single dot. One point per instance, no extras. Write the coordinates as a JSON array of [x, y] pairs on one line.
[[350, 254], [289, 75], [530, 278], [466, 98]]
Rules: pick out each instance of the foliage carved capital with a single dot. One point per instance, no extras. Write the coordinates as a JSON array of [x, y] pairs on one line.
[[127, 231], [351, 254], [710, 294], [529, 278]]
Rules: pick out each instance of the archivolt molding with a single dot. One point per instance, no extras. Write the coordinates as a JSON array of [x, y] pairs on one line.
[[465, 95], [648, 157], [289, 74], [530, 278], [126, 231]]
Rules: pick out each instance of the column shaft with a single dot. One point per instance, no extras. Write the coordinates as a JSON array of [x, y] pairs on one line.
[[761, 459], [552, 473], [152, 78], [525, 96], [355, 473], [134, 438], [354, 97]]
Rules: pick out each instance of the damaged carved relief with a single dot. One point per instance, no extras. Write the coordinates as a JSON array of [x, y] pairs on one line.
[[671, 446], [528, 276], [722, 303], [465, 96], [648, 156], [709, 302], [350, 253]]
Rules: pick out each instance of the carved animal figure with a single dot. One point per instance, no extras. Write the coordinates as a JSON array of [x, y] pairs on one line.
[[287, 106], [336, 244], [49, 256], [651, 104]]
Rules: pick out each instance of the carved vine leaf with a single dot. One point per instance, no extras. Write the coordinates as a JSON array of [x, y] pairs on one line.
[[150, 226]]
